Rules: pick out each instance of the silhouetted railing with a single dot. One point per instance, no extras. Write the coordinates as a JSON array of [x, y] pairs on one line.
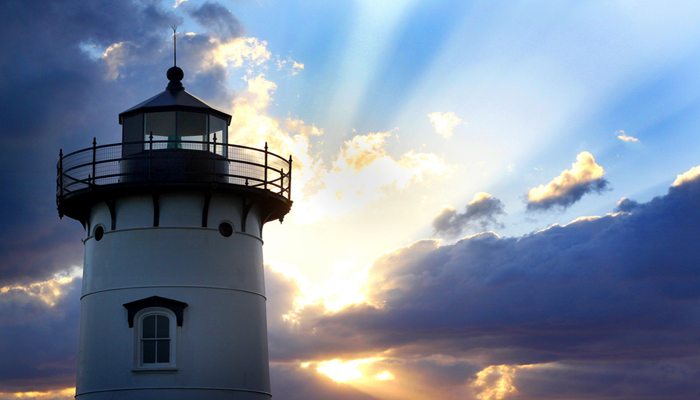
[[173, 162]]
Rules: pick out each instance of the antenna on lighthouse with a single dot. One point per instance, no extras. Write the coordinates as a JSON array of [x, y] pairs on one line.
[[174, 44]]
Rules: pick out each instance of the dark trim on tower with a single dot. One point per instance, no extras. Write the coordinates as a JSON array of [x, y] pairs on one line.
[[205, 209], [247, 205], [156, 209], [177, 307], [112, 212]]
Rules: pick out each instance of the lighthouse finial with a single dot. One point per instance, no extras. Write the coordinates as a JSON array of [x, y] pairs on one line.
[[175, 74], [174, 26]]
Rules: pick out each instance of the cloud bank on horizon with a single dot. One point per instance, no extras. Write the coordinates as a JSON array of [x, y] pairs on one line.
[[615, 295], [598, 307]]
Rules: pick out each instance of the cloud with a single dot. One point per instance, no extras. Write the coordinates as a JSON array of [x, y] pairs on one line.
[[38, 339], [688, 176], [495, 382], [362, 150], [217, 19], [236, 53], [625, 137], [444, 123], [618, 292], [481, 211], [626, 205], [585, 176], [560, 310], [85, 63], [362, 170]]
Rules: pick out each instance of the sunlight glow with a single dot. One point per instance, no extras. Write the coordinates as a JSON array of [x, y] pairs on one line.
[[51, 394], [348, 371], [384, 376]]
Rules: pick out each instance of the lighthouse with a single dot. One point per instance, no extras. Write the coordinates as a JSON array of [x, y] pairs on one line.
[[173, 295]]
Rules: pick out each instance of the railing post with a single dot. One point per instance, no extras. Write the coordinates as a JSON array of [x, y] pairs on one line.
[[282, 181], [289, 179], [213, 162], [150, 156], [94, 152], [265, 180], [60, 173]]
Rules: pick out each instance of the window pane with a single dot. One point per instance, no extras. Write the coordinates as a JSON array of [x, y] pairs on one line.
[[191, 124], [163, 326], [149, 351], [160, 124], [149, 327], [217, 126], [163, 351]]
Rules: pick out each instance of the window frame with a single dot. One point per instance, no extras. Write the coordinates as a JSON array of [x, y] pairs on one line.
[[139, 364]]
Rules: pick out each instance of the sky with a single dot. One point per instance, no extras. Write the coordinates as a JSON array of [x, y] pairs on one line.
[[492, 199]]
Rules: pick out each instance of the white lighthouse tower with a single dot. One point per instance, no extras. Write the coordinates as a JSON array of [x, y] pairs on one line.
[[173, 297]]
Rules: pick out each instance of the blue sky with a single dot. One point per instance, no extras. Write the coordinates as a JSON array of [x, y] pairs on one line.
[[459, 168]]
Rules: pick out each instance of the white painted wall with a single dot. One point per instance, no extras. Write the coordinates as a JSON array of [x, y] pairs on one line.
[[222, 345]]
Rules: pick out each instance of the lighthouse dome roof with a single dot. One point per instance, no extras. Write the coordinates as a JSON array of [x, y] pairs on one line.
[[174, 98]]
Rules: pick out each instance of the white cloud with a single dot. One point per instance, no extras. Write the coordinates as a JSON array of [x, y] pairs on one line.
[[236, 53], [687, 176], [625, 137], [444, 123], [495, 382], [584, 176]]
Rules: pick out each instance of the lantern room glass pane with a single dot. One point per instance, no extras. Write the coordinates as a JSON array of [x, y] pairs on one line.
[[192, 126], [217, 126], [162, 126], [159, 124]]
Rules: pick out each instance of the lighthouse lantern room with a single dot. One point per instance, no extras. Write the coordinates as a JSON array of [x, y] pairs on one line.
[[173, 296]]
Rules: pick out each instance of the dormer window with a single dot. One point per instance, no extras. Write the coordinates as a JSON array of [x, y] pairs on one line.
[[155, 321]]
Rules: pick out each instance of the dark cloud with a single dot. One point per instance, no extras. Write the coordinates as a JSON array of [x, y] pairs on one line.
[[480, 212], [59, 91], [218, 20], [621, 290], [584, 176], [38, 343], [622, 380], [570, 196]]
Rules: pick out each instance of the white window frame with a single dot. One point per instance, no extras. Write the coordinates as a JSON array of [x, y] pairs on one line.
[[139, 365]]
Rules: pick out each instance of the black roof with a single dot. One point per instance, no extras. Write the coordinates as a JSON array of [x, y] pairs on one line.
[[174, 98]]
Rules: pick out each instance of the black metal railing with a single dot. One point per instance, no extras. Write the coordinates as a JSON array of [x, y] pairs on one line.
[[173, 161]]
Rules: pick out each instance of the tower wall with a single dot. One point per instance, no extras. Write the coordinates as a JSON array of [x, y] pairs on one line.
[[221, 347]]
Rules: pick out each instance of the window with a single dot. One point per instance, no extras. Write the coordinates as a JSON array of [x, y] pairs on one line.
[[156, 338], [155, 320]]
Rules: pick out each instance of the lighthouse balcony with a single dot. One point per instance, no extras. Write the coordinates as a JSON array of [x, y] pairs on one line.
[[105, 172]]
